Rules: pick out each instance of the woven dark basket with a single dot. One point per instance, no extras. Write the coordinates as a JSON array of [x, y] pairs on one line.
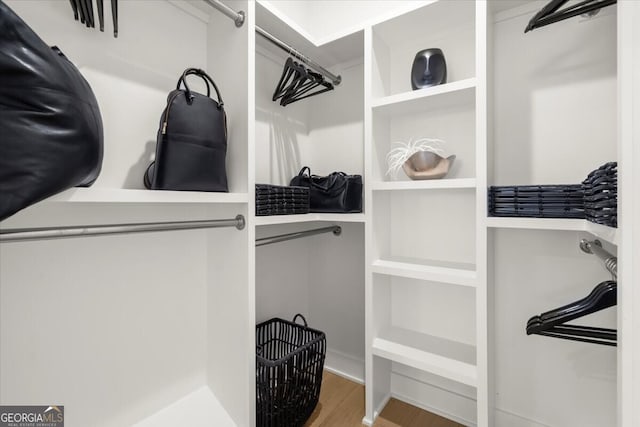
[[537, 201], [281, 200], [289, 363]]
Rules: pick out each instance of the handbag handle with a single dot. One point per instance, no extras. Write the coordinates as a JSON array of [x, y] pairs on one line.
[[303, 319], [330, 181], [302, 171], [204, 76]]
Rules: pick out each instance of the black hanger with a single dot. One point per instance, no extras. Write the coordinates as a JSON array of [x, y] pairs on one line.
[[100, 6], [297, 82], [551, 13], [75, 9], [314, 80], [287, 79], [552, 323], [114, 14]]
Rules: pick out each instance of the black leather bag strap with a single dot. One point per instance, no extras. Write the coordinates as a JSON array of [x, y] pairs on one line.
[[204, 76], [303, 170]]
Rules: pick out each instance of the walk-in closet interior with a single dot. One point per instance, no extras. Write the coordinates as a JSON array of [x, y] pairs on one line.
[[138, 307]]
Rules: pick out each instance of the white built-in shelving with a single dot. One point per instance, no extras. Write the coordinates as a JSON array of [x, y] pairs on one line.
[[428, 99], [609, 234], [449, 359], [434, 184], [310, 217], [452, 273], [200, 408], [410, 255], [117, 195]]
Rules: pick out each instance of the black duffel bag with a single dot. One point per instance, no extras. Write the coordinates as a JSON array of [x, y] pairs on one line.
[[337, 192], [50, 126], [192, 141]]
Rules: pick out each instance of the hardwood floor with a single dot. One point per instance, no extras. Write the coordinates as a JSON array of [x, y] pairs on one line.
[[342, 405]]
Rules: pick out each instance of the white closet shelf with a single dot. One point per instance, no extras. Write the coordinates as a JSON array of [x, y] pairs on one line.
[[439, 356], [603, 232], [117, 195], [433, 184], [461, 92], [310, 217], [451, 273], [200, 408]]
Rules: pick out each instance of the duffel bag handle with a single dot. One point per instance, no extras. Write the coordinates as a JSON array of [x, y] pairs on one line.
[[204, 76], [306, 169], [303, 319]]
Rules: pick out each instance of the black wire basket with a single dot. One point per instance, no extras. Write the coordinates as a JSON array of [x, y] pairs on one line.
[[289, 363], [537, 201], [281, 200]]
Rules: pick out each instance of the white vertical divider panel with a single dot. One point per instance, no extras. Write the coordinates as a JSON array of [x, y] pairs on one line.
[[251, 208], [230, 268], [483, 301], [629, 211], [368, 226]]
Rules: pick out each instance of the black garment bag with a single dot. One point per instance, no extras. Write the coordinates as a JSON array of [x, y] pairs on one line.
[[50, 126]]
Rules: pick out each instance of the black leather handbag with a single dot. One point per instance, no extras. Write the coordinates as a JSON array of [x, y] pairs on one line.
[[337, 192], [192, 141], [50, 126]]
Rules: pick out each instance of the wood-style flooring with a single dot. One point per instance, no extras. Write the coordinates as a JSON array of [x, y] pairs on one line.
[[342, 405]]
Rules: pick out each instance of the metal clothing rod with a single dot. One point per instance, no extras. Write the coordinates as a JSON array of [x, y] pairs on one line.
[[336, 80], [239, 17], [44, 233], [336, 230], [595, 247]]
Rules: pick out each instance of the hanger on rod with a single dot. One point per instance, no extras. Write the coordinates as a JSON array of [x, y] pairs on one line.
[[553, 323], [297, 82], [83, 12], [551, 12]]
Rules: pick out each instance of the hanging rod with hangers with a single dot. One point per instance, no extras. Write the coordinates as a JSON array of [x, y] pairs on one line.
[[239, 18], [335, 229], [595, 247], [45, 233]]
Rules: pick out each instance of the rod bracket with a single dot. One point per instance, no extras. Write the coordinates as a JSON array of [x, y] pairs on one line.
[[240, 19], [240, 222], [585, 245], [337, 230]]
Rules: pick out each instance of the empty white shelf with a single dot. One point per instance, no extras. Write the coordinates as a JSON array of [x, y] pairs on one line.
[[452, 273], [603, 232], [432, 184], [433, 98], [449, 359], [310, 217], [198, 409], [118, 195]]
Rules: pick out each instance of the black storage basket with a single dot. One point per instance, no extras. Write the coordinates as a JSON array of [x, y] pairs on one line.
[[281, 200], [289, 364], [537, 201]]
